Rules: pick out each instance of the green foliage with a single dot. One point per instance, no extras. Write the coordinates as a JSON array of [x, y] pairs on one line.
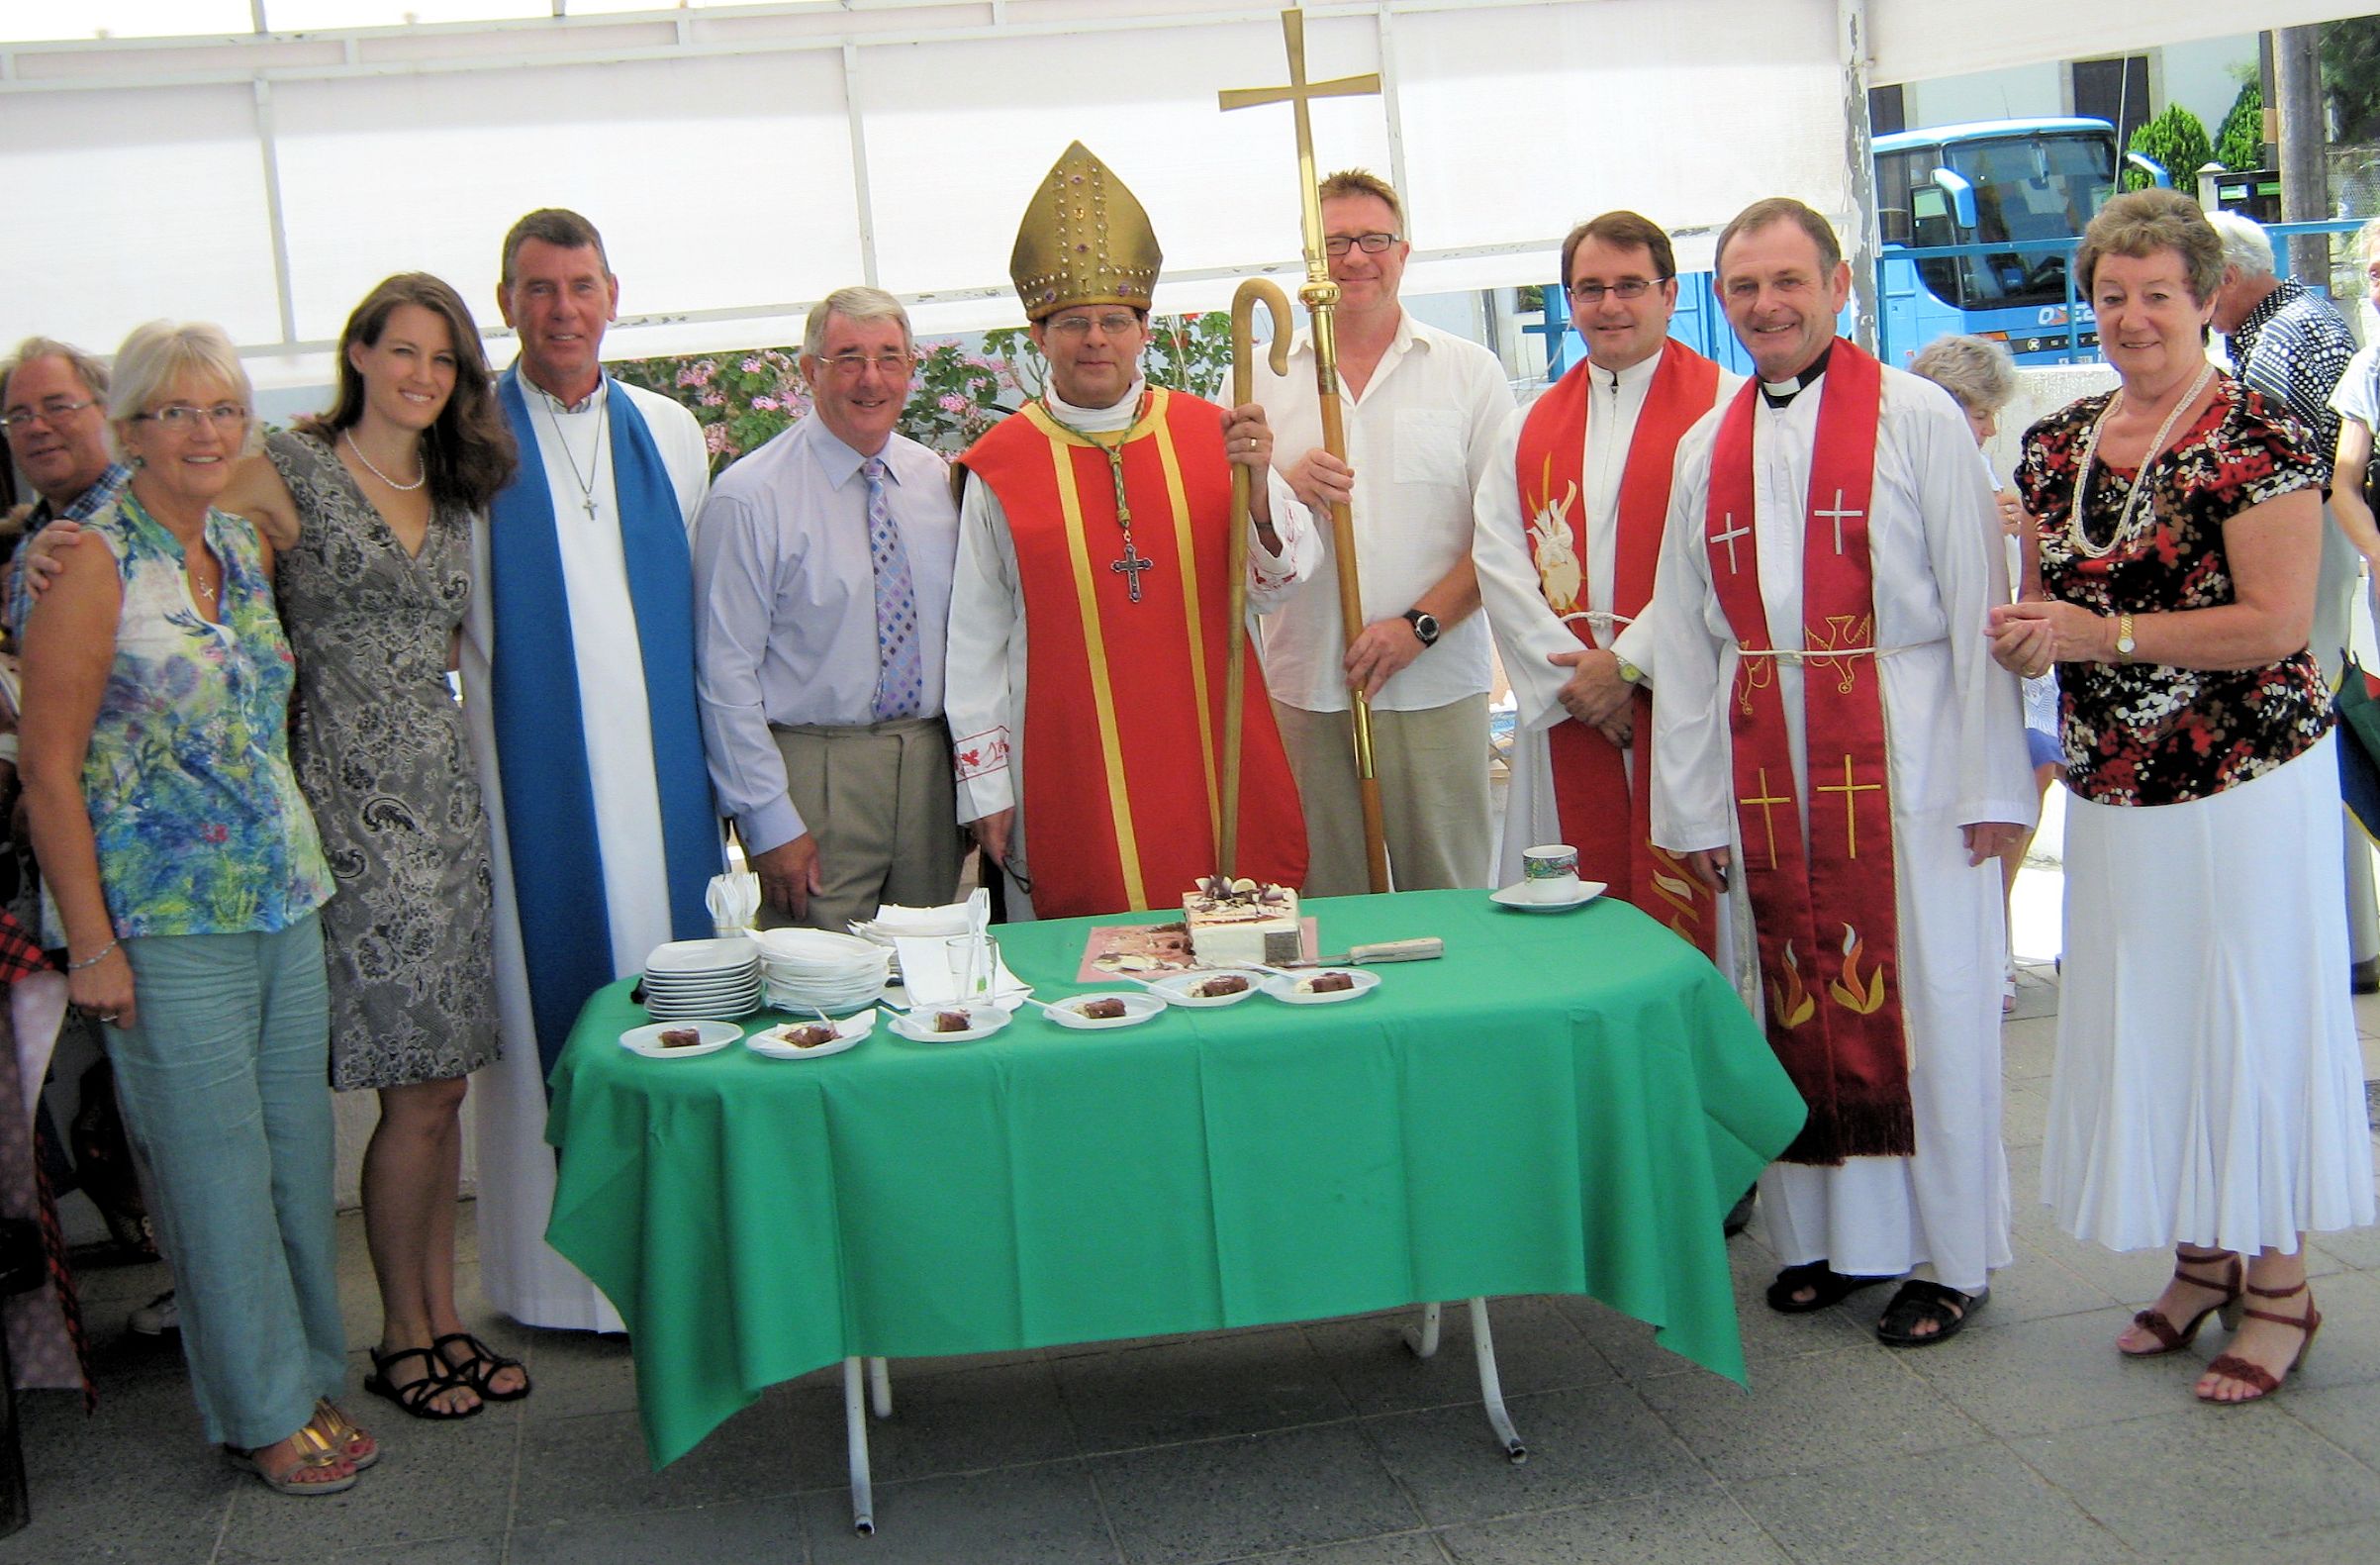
[[741, 399], [2240, 144], [2177, 139], [2350, 60]]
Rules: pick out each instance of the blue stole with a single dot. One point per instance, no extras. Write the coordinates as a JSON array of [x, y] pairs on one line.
[[540, 717]]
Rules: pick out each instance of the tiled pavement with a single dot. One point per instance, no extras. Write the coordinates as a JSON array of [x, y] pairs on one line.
[[2027, 1439]]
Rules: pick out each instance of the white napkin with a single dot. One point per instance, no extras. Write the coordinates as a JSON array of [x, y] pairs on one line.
[[733, 899], [925, 974], [894, 921]]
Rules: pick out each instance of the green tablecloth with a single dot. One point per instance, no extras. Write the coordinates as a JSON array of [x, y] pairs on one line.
[[1564, 1104]]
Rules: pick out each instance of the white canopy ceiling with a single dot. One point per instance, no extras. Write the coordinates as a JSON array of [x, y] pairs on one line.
[[743, 160]]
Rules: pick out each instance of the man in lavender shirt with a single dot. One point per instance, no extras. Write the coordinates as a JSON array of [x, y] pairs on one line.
[[823, 570]]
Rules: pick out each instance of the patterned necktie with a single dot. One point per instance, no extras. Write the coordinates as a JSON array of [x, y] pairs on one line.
[[900, 679]]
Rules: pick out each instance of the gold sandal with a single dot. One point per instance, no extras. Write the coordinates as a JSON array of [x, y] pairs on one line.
[[314, 1454]]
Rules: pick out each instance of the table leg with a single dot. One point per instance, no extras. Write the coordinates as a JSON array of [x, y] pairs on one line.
[[880, 1387], [1423, 1339], [1491, 1386], [855, 1429]]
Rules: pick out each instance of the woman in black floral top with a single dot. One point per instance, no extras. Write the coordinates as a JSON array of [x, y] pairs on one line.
[[2208, 1091]]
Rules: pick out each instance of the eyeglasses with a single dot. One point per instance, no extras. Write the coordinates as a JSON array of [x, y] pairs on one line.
[[183, 419], [1115, 322], [1370, 243], [53, 411], [1626, 288], [848, 365]]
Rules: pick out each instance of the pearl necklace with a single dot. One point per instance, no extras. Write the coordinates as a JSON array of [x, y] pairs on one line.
[[2125, 530], [348, 435]]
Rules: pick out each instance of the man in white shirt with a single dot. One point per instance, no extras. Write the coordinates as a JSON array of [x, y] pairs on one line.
[[1423, 410], [822, 592], [579, 701], [1570, 517]]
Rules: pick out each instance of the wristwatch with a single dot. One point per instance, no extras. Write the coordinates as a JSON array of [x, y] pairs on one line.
[[2125, 646], [1425, 625], [1629, 671]]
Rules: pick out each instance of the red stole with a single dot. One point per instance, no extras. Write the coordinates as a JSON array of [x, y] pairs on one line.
[[1826, 918], [1592, 796], [1124, 699]]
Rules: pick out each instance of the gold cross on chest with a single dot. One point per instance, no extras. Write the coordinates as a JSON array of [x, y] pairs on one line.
[[1850, 792], [1766, 802]]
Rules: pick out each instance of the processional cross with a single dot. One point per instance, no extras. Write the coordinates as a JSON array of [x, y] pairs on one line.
[[1321, 296]]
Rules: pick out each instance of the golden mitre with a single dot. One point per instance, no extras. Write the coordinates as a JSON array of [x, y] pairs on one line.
[[1085, 240]]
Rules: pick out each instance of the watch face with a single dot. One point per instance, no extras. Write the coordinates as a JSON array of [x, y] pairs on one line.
[[1425, 625]]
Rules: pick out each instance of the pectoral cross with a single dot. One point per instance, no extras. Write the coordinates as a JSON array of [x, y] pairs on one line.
[[1767, 826], [1850, 792], [1132, 564], [1838, 516], [1729, 539]]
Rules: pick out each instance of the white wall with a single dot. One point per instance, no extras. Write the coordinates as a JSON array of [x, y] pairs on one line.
[[2196, 74]]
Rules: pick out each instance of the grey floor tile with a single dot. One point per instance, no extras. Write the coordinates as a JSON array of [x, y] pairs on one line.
[[1537, 1349], [1401, 1548], [575, 1468], [2346, 1352], [1807, 1413], [1586, 1445], [2029, 1050], [2024, 1114], [2065, 1373], [1249, 1495], [2037, 1286], [433, 1481], [575, 1373], [999, 1416], [2325, 1546], [2348, 1417], [1685, 1527], [1208, 1387], [2355, 1247], [747, 1532], [2152, 1482], [151, 1505], [486, 1549], [1629, 1347], [1977, 1505], [1047, 1515]]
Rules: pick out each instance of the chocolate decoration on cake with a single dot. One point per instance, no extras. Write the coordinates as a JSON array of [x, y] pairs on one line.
[[1216, 988], [1107, 1009], [815, 1035], [1329, 983]]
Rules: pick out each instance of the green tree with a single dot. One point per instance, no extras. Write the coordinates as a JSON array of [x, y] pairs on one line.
[[2351, 57], [2177, 139], [2240, 144]]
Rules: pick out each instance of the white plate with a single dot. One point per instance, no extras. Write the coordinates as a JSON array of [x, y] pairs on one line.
[[742, 984], [694, 958], [1176, 987], [1518, 898], [1290, 987], [1137, 1008], [646, 1040], [769, 1041], [918, 1028], [663, 1010]]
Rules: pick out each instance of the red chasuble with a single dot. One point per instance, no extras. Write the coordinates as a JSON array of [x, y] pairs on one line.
[[1611, 827], [1123, 699], [1828, 923]]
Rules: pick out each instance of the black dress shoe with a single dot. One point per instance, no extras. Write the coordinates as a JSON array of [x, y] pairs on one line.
[[1739, 1214], [2364, 977]]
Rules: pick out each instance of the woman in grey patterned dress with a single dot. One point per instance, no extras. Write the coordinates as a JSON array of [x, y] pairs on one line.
[[371, 508]]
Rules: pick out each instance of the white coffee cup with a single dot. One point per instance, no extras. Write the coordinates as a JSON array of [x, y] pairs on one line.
[[1551, 872]]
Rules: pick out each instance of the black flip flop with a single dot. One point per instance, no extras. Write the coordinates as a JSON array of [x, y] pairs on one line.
[[1920, 1302], [1829, 1287]]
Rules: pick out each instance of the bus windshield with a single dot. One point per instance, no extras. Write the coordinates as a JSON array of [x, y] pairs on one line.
[[2044, 187]]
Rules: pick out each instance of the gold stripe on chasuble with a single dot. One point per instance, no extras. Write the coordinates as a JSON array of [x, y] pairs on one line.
[[1103, 695], [1183, 545]]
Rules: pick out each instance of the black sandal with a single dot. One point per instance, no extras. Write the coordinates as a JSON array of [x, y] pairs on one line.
[[1829, 1287], [1922, 1303], [483, 1366], [414, 1396]]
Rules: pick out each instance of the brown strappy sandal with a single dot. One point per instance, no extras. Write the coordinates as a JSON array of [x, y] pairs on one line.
[[2171, 1340], [2233, 1366]]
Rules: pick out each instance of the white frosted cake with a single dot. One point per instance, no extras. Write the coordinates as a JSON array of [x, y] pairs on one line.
[[1242, 922]]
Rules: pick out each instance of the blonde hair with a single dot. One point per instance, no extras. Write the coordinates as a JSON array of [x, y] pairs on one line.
[[1975, 371], [160, 354]]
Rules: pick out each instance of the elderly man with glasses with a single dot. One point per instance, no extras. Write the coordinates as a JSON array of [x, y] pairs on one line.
[[1087, 645], [53, 405], [1423, 408], [822, 587]]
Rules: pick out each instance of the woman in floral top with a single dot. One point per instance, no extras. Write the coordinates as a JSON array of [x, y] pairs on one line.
[[2208, 1092], [186, 872]]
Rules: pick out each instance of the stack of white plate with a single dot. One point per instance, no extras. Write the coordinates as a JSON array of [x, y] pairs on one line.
[[805, 968], [702, 978]]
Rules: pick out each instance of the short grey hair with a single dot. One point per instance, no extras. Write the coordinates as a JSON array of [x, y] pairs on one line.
[[1975, 370], [858, 305], [90, 371], [2245, 245], [160, 354], [2367, 241]]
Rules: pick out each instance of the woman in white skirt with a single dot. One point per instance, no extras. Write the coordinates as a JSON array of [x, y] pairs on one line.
[[2209, 1091]]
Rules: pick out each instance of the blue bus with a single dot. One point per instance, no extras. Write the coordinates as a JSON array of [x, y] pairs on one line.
[[2029, 183]]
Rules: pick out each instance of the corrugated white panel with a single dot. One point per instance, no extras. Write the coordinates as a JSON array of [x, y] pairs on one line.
[[1914, 39]]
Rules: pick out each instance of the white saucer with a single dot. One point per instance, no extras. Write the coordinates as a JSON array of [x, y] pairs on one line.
[[1176, 987], [1518, 899], [695, 958], [918, 1028], [1137, 1008], [770, 1042], [646, 1040], [1290, 987]]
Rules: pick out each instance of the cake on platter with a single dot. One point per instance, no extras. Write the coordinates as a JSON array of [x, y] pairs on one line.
[[1239, 921]]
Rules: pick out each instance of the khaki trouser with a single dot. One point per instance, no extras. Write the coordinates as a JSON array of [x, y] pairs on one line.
[[882, 802], [1432, 770]]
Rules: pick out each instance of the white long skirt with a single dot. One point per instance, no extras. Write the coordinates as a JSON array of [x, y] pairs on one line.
[[2209, 1088]]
